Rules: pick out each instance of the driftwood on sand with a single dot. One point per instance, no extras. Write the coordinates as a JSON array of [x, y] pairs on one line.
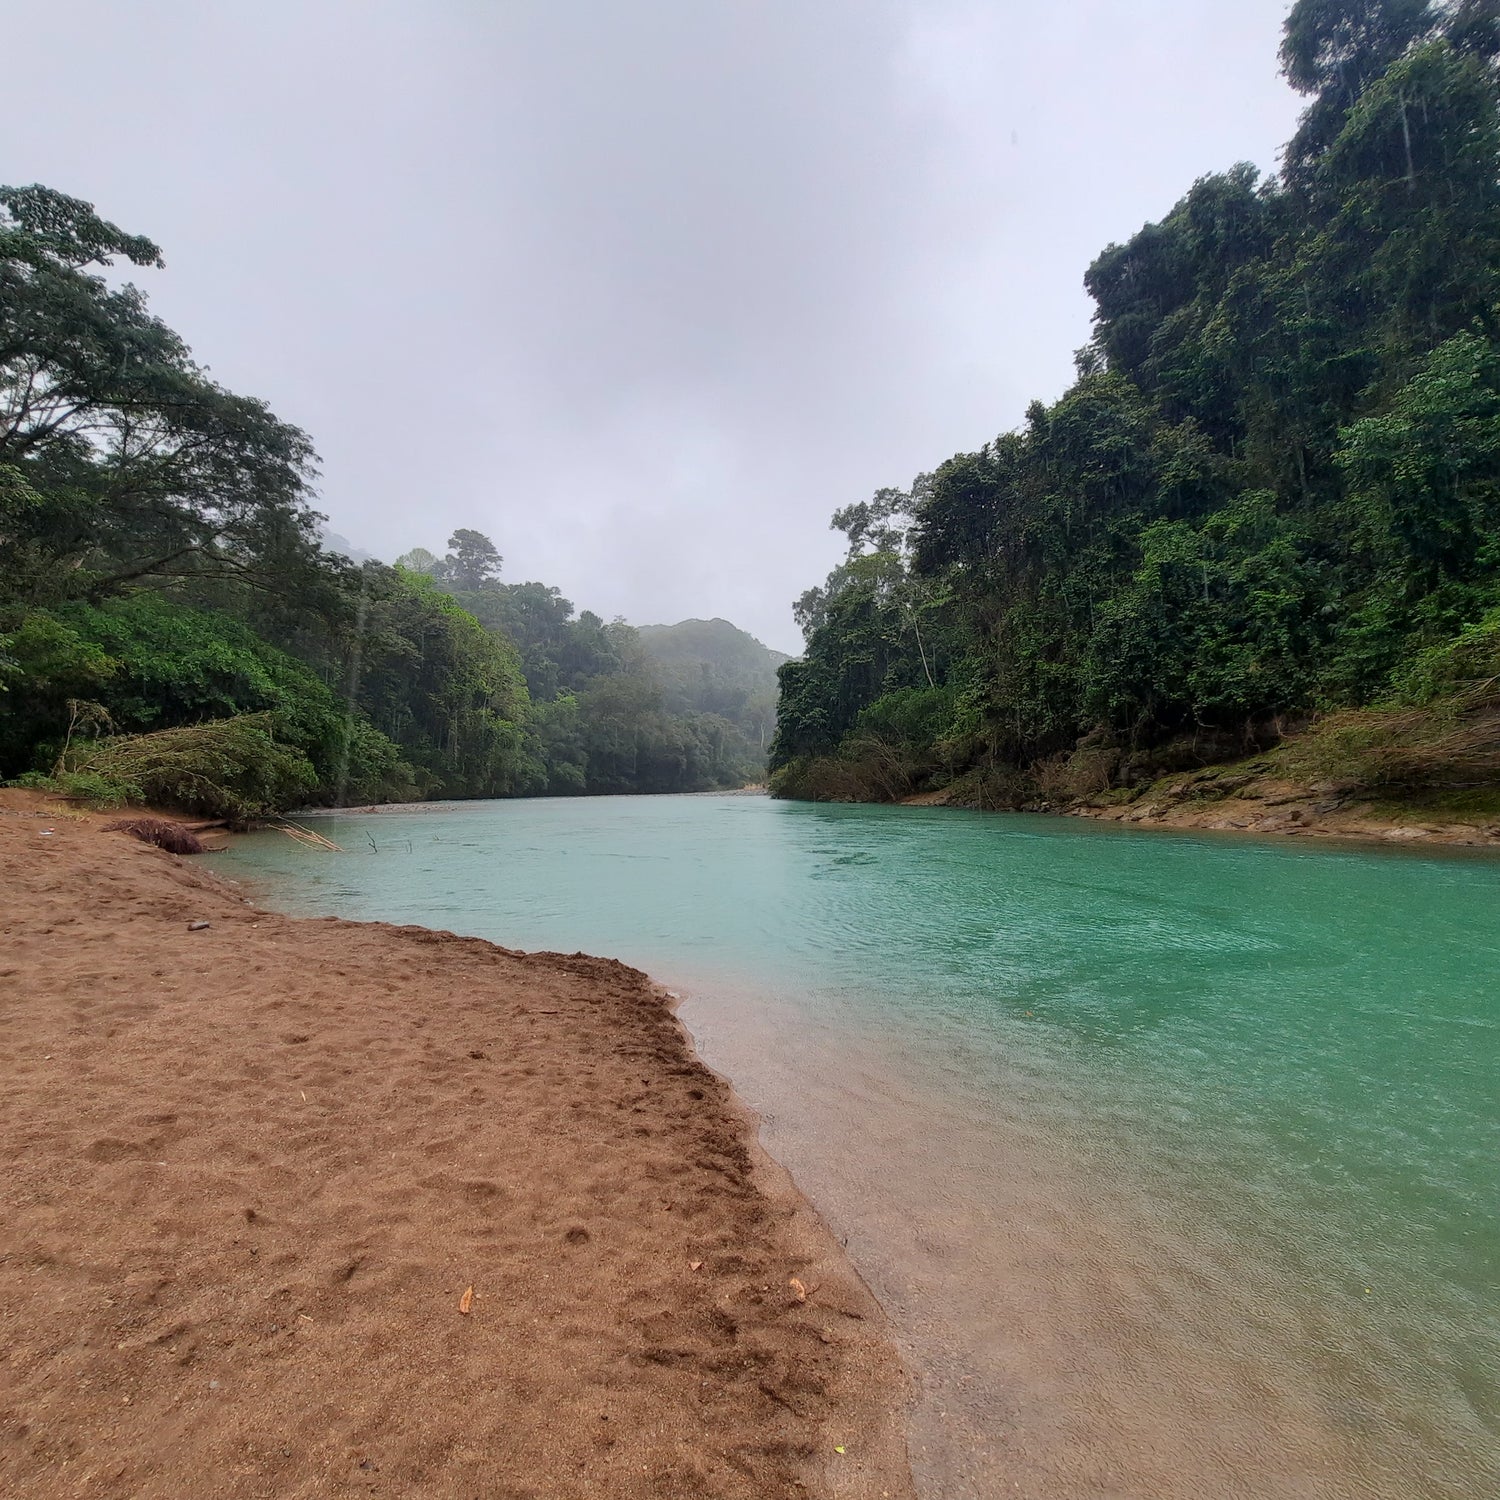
[[175, 838]]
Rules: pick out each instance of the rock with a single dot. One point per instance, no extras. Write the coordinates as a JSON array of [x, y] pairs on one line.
[[198, 926]]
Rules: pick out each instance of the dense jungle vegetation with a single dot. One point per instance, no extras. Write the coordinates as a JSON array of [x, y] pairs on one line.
[[173, 628], [613, 708], [1272, 492]]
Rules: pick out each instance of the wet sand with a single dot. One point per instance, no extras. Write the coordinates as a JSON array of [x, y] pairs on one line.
[[300, 1207]]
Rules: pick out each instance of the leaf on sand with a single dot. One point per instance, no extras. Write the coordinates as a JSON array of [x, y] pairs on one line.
[[466, 1302], [798, 1290]]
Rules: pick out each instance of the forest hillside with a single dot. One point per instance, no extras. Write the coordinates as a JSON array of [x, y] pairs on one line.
[[1267, 507], [711, 666], [175, 627]]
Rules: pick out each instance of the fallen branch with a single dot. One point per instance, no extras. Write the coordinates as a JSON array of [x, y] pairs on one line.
[[305, 836]]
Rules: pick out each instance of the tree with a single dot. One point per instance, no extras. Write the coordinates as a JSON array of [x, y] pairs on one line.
[[144, 467], [420, 560], [472, 562], [1331, 50], [1272, 488], [1424, 476]]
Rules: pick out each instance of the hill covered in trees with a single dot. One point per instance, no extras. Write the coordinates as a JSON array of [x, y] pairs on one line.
[[711, 666], [1271, 496], [173, 627], [665, 708]]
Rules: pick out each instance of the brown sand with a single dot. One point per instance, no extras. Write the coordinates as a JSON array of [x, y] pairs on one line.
[[249, 1173]]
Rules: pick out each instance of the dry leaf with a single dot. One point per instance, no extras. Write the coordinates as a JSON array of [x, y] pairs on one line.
[[798, 1290], [695, 1265], [466, 1301]]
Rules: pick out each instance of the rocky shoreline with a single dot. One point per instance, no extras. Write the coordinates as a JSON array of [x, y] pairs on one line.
[[1234, 800]]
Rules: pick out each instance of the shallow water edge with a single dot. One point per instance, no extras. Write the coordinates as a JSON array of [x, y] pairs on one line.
[[1151, 1144]]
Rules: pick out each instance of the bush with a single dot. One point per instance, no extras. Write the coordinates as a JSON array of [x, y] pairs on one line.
[[1468, 662], [1452, 741], [155, 663], [235, 769]]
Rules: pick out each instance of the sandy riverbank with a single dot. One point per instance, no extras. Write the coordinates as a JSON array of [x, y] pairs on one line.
[[295, 1208]]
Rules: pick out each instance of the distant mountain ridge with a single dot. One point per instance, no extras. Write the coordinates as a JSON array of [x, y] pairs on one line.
[[712, 666]]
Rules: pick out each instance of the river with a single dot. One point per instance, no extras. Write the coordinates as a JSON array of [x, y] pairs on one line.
[[1174, 1157]]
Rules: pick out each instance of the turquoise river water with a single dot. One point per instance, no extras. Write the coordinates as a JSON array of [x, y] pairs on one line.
[[1174, 1158]]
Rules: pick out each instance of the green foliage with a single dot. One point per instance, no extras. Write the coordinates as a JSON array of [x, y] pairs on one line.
[[446, 690], [159, 556], [472, 560], [420, 560], [1456, 669], [44, 657], [1424, 475], [1333, 49], [1272, 492], [159, 560], [559, 654], [710, 667], [136, 464], [609, 709], [237, 769], [151, 662]]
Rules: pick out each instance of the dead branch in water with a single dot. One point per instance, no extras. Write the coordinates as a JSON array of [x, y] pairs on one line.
[[305, 836]]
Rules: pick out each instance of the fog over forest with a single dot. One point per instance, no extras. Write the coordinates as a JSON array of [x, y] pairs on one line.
[[644, 292]]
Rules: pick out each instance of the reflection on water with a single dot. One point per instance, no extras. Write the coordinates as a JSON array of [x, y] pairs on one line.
[[1173, 1156]]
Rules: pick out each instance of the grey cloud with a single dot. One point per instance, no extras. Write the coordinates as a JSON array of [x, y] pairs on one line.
[[646, 290]]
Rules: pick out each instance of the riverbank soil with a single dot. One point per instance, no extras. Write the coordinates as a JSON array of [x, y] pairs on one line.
[[1255, 798], [318, 1208], [1258, 796]]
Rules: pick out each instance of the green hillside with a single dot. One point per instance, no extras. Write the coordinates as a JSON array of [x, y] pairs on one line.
[[711, 666], [1271, 495]]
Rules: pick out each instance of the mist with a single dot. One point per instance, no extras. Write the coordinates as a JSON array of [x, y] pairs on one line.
[[644, 293]]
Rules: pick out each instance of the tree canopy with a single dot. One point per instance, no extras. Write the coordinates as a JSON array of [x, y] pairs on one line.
[[136, 464], [161, 573], [1271, 487]]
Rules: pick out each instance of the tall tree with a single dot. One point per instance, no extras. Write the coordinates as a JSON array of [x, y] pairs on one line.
[[472, 560], [143, 467], [1332, 49]]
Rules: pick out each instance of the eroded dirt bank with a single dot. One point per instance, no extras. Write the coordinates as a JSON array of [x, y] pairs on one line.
[[253, 1175], [1237, 799]]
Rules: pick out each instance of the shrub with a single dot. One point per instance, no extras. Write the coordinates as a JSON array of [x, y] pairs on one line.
[[1452, 741], [235, 769]]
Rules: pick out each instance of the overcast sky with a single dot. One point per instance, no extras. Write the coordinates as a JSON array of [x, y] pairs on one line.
[[643, 289]]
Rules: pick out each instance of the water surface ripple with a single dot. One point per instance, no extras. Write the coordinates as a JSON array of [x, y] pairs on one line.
[[1173, 1156]]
